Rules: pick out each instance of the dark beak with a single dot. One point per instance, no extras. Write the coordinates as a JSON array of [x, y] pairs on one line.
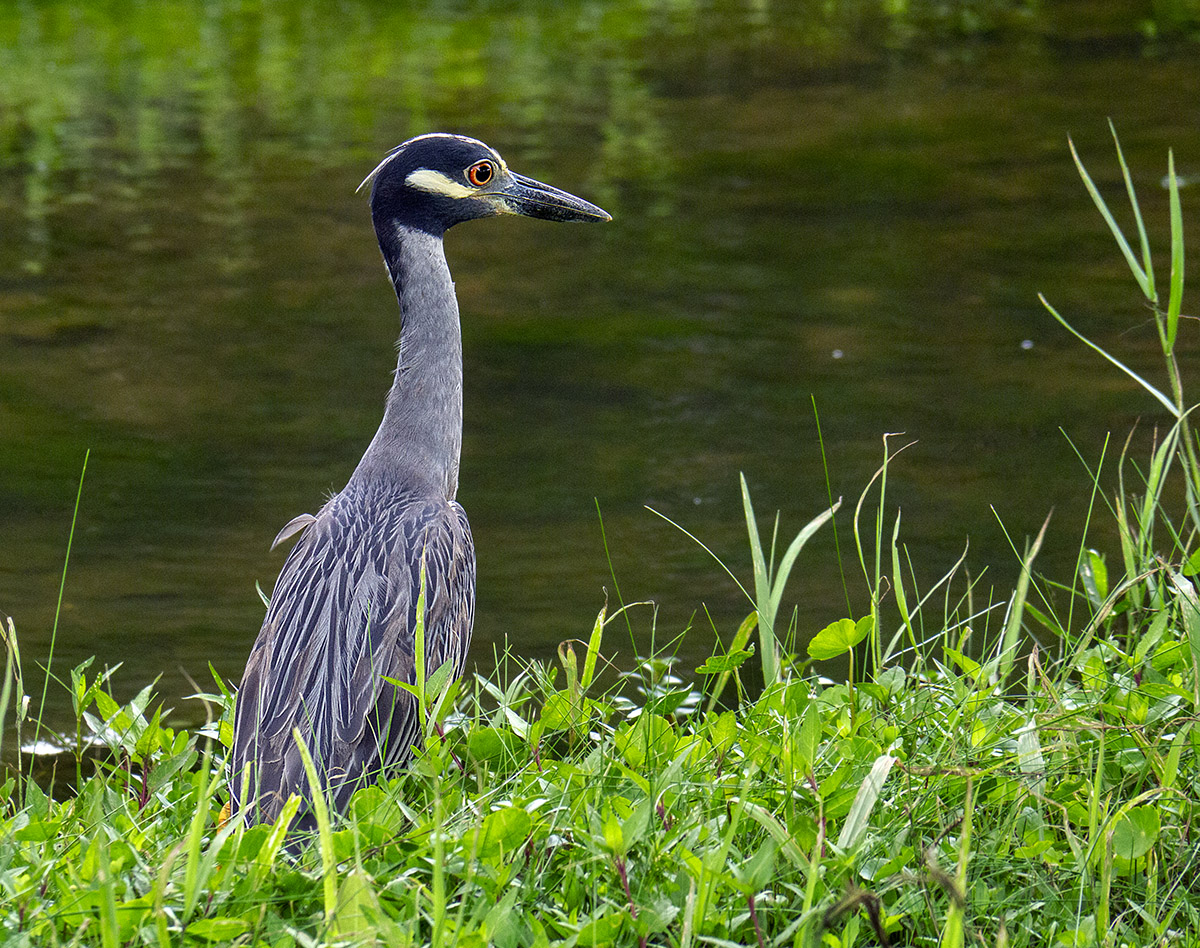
[[529, 198]]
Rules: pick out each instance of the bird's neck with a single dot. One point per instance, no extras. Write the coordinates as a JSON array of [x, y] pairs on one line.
[[420, 438]]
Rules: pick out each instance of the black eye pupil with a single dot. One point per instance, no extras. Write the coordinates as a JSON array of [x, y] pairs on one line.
[[480, 173]]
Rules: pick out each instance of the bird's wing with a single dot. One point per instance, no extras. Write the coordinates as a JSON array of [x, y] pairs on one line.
[[341, 621]]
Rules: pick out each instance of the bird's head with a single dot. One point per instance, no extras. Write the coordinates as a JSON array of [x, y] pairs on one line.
[[433, 182]]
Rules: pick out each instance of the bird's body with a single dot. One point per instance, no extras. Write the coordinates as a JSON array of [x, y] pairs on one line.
[[343, 616]]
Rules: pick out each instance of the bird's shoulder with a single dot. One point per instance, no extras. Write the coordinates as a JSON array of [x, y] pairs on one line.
[[371, 528], [371, 540], [378, 511]]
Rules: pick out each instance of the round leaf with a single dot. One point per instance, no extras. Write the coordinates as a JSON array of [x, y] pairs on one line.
[[1135, 832], [838, 638]]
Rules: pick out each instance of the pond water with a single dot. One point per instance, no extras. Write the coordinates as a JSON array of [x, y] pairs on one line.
[[849, 203]]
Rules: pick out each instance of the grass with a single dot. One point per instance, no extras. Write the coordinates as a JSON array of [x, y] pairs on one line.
[[1020, 773]]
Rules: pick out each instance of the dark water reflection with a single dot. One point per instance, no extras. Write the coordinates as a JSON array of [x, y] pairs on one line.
[[851, 206]]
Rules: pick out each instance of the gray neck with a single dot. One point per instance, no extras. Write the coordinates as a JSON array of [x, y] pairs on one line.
[[420, 438]]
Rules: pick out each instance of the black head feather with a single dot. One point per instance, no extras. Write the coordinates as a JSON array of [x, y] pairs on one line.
[[397, 196]]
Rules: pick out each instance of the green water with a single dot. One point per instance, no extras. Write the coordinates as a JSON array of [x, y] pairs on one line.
[[855, 203]]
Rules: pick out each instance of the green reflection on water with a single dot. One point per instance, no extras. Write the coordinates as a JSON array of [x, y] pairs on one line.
[[189, 286]]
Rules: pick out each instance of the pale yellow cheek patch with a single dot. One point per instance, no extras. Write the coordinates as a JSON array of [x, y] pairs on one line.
[[437, 183]]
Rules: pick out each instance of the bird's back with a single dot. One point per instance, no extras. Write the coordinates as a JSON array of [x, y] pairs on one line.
[[341, 621]]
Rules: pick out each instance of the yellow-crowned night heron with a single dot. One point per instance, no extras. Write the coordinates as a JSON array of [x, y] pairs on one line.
[[342, 618]]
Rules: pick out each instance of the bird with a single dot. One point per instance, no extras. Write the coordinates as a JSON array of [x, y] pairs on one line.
[[340, 627]]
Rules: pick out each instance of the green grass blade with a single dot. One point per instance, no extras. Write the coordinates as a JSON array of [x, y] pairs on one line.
[[204, 783], [778, 832], [110, 929], [593, 651], [14, 686], [700, 543], [768, 644], [1139, 274], [419, 649], [62, 586], [837, 546], [161, 883], [264, 862], [789, 558], [901, 595], [1166, 402], [1156, 479], [1137, 211], [1012, 629], [954, 935], [1175, 299], [1190, 608], [760, 564], [859, 816], [324, 832]]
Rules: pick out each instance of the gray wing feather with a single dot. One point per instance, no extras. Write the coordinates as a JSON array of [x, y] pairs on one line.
[[341, 621], [292, 527]]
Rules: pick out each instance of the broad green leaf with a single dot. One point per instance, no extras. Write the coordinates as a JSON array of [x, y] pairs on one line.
[[560, 712], [757, 871], [1190, 608], [838, 638], [668, 703], [502, 831], [437, 681], [502, 924], [357, 906], [968, 665], [784, 838], [37, 831], [602, 930], [107, 707], [723, 732], [614, 835], [1093, 573], [739, 643], [37, 804], [270, 850], [720, 664], [488, 743], [891, 680], [1135, 832], [218, 929], [1174, 755], [1147, 642], [634, 827], [809, 738], [649, 736], [1029, 756]]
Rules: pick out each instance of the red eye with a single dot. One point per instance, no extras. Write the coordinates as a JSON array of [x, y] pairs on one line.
[[480, 173]]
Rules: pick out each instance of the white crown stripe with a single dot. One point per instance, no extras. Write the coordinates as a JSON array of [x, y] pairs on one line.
[[437, 183]]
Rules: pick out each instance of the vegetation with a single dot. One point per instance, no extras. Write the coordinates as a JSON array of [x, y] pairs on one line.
[[1024, 780]]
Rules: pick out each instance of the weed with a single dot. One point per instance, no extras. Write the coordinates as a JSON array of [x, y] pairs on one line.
[[974, 783]]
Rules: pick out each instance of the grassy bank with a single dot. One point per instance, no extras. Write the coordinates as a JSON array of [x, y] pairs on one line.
[[1015, 775]]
